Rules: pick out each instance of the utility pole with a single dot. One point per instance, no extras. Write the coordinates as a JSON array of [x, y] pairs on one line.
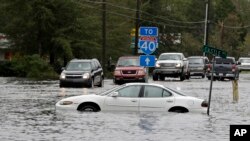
[[206, 24], [103, 34], [137, 21], [205, 43]]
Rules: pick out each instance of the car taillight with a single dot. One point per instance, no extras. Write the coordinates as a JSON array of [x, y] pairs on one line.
[[233, 68], [209, 67], [204, 104]]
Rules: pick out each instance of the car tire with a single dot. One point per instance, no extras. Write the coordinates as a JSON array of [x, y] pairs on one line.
[[101, 83], [61, 85], [155, 77], [91, 84], [203, 76], [88, 108], [188, 76], [115, 81], [162, 77], [179, 110], [182, 77]]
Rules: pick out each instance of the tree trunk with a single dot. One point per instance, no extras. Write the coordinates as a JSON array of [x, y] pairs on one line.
[[221, 34]]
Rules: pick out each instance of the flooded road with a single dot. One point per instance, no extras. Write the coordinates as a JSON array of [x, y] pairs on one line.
[[28, 114]]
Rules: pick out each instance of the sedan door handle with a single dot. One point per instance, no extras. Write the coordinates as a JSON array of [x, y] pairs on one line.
[[170, 101], [133, 100]]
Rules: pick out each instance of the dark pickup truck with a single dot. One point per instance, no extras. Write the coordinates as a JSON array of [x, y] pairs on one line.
[[223, 69]]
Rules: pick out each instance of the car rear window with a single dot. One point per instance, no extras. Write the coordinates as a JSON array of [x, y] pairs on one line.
[[224, 61], [196, 61], [125, 62]]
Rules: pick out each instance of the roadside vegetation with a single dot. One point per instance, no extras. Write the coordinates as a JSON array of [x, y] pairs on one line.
[[59, 30], [32, 67]]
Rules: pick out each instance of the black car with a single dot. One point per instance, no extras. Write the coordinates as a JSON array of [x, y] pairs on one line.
[[82, 73]]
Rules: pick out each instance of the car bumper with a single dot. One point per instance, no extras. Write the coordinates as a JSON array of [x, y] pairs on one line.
[[66, 107], [167, 71], [197, 73], [244, 68], [222, 75], [130, 78], [75, 82]]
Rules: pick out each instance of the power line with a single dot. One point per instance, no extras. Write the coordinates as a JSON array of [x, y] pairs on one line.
[[150, 21], [159, 17], [160, 23], [232, 27]]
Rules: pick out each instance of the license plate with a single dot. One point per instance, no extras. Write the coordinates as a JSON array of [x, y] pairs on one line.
[[220, 74]]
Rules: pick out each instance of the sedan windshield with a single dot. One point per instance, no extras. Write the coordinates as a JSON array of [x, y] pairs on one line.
[[78, 66], [170, 57], [245, 60]]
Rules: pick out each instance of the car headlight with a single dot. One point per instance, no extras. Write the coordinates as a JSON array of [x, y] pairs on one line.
[[86, 76], [62, 76], [178, 65], [117, 72], [141, 72], [157, 65], [66, 102]]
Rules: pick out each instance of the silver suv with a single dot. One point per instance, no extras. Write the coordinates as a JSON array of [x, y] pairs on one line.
[[82, 72], [244, 64], [171, 65], [198, 65]]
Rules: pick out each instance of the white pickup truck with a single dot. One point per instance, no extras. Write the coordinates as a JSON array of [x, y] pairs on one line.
[[171, 65]]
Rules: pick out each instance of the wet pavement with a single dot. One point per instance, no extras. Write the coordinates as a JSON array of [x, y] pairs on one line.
[[27, 113]]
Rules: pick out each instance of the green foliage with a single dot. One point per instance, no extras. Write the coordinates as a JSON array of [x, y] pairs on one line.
[[60, 30], [6, 69], [223, 8], [33, 67]]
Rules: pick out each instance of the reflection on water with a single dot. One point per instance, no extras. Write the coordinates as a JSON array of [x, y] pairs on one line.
[[28, 113]]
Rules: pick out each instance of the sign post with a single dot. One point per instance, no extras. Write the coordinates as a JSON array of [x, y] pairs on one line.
[[214, 52], [148, 43]]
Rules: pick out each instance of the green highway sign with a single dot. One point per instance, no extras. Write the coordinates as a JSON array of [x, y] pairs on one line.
[[214, 51]]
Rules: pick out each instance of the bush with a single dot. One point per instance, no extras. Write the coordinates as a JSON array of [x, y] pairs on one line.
[[6, 69], [32, 67]]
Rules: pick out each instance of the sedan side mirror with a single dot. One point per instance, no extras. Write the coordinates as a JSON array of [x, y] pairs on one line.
[[114, 94]]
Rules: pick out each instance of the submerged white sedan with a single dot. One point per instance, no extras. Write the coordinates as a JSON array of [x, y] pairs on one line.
[[135, 97]]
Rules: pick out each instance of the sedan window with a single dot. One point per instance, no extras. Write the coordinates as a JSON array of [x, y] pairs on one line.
[[151, 91], [166, 93], [130, 91]]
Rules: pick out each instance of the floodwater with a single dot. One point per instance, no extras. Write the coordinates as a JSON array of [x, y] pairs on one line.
[[27, 113]]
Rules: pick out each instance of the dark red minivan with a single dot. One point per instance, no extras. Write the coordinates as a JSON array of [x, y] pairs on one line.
[[128, 69]]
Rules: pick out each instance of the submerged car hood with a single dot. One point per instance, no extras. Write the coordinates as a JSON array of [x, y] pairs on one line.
[[85, 98]]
